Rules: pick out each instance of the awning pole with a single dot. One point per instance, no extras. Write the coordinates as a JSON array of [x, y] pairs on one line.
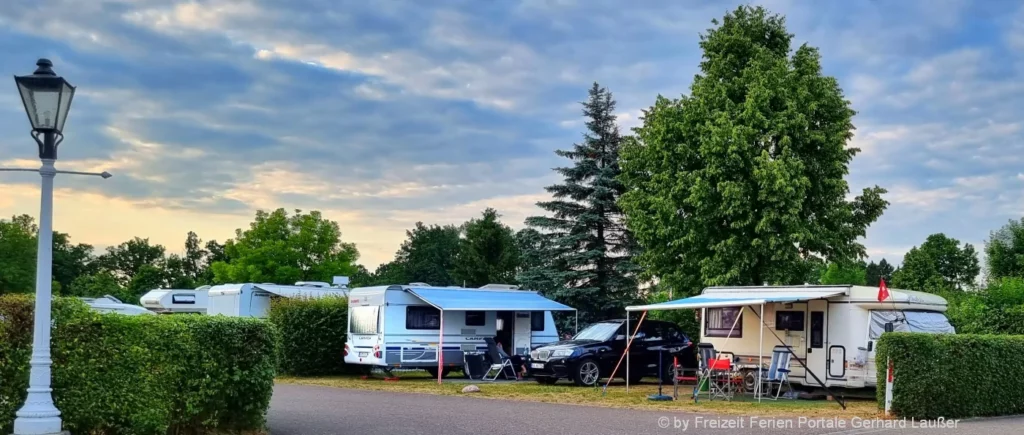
[[440, 350], [625, 354], [760, 355]]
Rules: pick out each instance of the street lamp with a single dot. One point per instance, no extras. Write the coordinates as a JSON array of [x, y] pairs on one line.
[[47, 99]]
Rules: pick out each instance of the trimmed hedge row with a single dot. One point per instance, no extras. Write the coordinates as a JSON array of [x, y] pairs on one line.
[[952, 376], [142, 374], [313, 332]]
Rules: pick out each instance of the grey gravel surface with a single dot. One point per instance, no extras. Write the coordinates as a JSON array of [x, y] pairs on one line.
[[311, 410]]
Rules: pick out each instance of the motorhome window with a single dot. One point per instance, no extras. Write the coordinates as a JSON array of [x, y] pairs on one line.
[[475, 318], [183, 299], [364, 320], [720, 321], [789, 320], [599, 332], [422, 318], [536, 321]]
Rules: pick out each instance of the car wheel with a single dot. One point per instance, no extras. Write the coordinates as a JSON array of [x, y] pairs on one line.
[[546, 380], [587, 373]]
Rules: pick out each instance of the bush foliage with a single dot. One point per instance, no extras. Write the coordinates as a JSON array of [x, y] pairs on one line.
[[952, 376], [142, 374], [313, 334]]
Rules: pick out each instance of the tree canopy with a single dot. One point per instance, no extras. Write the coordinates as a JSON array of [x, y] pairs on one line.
[[487, 253], [742, 181], [283, 249], [940, 263], [428, 254], [1004, 252]]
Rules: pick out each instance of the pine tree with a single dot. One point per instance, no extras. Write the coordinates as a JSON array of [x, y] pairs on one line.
[[590, 251]]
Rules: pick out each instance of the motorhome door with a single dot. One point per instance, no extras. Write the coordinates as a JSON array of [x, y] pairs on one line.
[[817, 343], [522, 335]]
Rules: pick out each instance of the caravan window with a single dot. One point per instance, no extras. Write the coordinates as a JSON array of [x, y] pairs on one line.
[[475, 318], [789, 320], [720, 321], [363, 320], [536, 321], [422, 318], [183, 299]]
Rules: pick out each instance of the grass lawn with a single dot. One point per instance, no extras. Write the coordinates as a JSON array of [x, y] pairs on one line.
[[565, 393]]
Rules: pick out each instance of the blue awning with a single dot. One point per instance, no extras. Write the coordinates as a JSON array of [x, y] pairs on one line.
[[465, 299], [742, 297]]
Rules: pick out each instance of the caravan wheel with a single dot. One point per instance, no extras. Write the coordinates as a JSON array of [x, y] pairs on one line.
[[749, 380]]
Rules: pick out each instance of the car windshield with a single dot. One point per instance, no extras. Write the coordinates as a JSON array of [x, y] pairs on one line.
[[598, 331]]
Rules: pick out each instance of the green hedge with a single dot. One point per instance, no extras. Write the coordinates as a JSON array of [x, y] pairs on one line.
[[953, 376], [312, 334], [143, 374]]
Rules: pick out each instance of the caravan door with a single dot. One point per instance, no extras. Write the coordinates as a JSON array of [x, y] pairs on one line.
[[817, 343], [522, 333]]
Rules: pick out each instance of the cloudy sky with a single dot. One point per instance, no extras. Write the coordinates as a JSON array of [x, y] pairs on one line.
[[389, 112]]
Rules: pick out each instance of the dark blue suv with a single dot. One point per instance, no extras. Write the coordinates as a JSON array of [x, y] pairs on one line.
[[592, 354]]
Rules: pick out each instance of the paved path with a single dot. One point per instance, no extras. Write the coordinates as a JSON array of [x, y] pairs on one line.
[[310, 410]]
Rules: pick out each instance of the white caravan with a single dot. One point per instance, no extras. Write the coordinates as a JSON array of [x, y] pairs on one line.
[[169, 301], [399, 326], [833, 329], [253, 300], [110, 304]]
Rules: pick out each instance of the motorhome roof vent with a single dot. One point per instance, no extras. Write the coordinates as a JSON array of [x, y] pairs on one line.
[[501, 286], [341, 281], [205, 287], [318, 284], [419, 284]]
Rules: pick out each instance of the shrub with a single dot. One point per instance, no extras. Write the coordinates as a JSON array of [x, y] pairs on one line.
[[952, 376], [312, 332], [143, 374]]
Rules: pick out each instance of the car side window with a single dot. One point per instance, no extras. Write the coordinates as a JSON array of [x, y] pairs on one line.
[[652, 332], [672, 333]]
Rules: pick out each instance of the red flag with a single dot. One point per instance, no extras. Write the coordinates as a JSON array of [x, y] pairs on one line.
[[883, 291]]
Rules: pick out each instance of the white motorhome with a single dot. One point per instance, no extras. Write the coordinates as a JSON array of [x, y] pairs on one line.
[[400, 326], [170, 301], [253, 300], [833, 329], [110, 304]]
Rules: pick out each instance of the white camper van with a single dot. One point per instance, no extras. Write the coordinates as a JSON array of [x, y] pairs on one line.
[[833, 329], [169, 301], [399, 326], [110, 304], [253, 300]]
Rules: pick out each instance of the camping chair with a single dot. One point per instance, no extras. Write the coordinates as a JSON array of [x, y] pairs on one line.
[[500, 364], [777, 373], [708, 372]]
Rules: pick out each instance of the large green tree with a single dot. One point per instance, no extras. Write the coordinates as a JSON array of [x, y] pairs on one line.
[[741, 182], [487, 252], [875, 273], [939, 264], [592, 250], [844, 274], [428, 255], [1004, 252], [17, 254], [283, 249], [124, 261], [70, 261]]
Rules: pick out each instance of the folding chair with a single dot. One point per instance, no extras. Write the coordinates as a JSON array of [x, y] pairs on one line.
[[777, 373], [500, 364], [706, 354]]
